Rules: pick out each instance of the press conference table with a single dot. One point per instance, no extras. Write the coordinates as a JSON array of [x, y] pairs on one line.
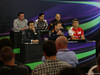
[[16, 37], [30, 52]]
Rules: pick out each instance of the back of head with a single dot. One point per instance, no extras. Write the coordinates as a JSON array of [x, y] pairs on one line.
[[49, 48], [71, 71], [62, 39], [5, 42], [61, 42], [6, 54]]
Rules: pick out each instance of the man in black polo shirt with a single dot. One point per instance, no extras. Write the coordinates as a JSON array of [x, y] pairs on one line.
[[30, 34], [57, 18], [9, 67]]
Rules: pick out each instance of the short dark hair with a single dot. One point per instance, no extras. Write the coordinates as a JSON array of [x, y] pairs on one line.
[[75, 19], [57, 22], [6, 53], [20, 13], [41, 14], [5, 42], [49, 48], [71, 71], [30, 21]]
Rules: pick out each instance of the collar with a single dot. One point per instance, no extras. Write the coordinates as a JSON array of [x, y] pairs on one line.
[[63, 49], [76, 29], [20, 20], [40, 20], [29, 29], [52, 60], [10, 67], [56, 20]]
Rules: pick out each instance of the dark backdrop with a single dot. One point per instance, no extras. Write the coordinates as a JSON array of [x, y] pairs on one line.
[[87, 11]]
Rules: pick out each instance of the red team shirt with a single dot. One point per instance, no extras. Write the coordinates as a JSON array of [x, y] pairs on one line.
[[76, 32]]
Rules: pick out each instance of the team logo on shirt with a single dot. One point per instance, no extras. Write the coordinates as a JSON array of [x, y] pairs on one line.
[[51, 24], [79, 32], [52, 31], [74, 32]]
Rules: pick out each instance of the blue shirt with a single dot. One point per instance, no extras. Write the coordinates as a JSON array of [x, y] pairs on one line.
[[66, 56]]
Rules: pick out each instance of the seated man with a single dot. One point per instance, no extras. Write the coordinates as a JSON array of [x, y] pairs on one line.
[[30, 34], [57, 18], [63, 54], [7, 42], [20, 23], [9, 67], [52, 66], [56, 32], [75, 32], [40, 23]]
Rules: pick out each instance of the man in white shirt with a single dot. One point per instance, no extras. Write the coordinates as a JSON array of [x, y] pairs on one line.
[[20, 23]]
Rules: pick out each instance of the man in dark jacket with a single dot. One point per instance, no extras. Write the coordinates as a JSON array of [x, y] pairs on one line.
[[57, 18], [30, 34], [10, 67], [56, 32]]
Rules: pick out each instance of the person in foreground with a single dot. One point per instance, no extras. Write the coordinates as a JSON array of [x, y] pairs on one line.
[[95, 70], [52, 66], [5, 42], [63, 53], [71, 71], [75, 32], [9, 67]]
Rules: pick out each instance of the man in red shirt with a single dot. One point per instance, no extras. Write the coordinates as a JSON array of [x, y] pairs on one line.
[[75, 32]]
